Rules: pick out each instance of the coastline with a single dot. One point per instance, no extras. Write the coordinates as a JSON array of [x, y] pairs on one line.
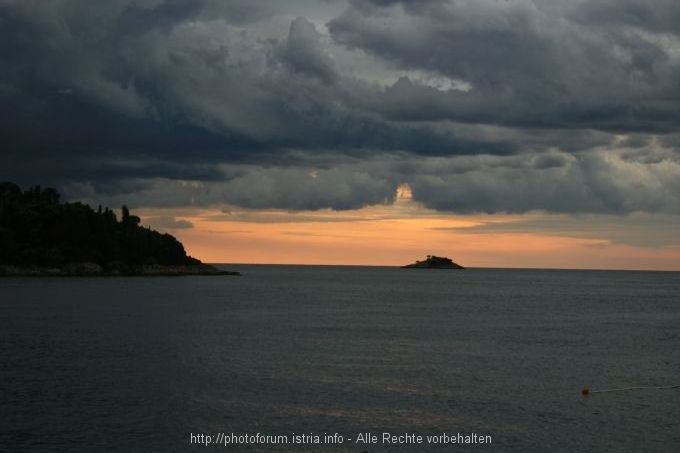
[[95, 270]]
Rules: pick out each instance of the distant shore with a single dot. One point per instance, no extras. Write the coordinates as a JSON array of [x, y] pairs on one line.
[[95, 270]]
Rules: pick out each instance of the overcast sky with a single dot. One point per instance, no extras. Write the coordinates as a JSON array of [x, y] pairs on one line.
[[479, 106]]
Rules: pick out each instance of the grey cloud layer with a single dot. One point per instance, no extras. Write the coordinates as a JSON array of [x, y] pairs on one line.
[[566, 106], [606, 182], [602, 64]]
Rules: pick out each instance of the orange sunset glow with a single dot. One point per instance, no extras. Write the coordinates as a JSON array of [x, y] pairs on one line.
[[395, 234]]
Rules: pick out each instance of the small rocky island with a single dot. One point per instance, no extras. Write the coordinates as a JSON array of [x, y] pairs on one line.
[[41, 236], [434, 262]]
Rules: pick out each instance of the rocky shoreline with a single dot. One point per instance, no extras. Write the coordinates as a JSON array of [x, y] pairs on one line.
[[95, 270]]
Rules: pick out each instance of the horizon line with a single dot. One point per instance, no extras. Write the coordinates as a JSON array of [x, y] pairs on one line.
[[397, 266]]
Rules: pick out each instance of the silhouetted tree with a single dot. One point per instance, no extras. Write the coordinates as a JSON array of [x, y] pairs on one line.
[[36, 229]]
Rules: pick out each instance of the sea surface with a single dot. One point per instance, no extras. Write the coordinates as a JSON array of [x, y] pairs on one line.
[[142, 364]]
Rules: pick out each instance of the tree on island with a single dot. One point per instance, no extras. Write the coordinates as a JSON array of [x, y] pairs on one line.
[[36, 229], [434, 262]]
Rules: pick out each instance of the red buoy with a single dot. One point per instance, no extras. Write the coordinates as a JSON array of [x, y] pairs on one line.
[[585, 391]]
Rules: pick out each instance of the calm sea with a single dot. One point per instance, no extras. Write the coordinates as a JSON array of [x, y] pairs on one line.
[[141, 364]]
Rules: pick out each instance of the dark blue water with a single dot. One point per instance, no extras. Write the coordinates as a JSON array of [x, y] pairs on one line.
[[139, 364]]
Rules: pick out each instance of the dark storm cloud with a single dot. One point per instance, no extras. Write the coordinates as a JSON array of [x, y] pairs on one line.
[[609, 182], [168, 223], [305, 52], [347, 187], [658, 16], [528, 63], [612, 182], [182, 88], [415, 6], [496, 106]]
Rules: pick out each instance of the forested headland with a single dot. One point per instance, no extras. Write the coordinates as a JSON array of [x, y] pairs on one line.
[[41, 234]]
